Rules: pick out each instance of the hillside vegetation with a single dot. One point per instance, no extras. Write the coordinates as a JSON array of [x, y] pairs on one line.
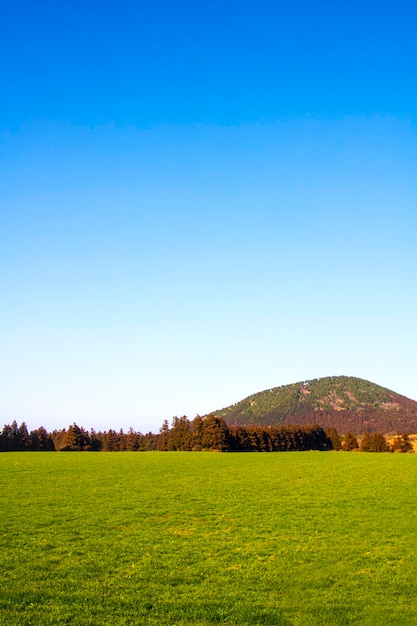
[[344, 402]]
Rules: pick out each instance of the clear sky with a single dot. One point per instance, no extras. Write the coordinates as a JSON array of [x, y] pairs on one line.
[[203, 200]]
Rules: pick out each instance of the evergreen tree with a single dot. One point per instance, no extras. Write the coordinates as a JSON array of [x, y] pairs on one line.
[[132, 440], [197, 430], [378, 443], [350, 442], [75, 439], [163, 438], [15, 438], [41, 440], [365, 443], [23, 439], [402, 443], [215, 434], [148, 441], [111, 441], [253, 438], [180, 435], [95, 441], [333, 435], [122, 440], [58, 437]]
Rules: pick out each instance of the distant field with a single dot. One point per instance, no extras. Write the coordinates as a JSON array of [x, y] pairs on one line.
[[178, 538]]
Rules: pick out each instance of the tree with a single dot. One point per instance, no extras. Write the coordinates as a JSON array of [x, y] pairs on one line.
[[374, 442], [111, 441], [23, 437], [240, 439], [132, 440], [333, 435], [122, 440], [365, 443], [14, 437], [402, 443], [180, 435], [58, 437], [95, 441], [41, 440], [163, 437], [75, 439], [197, 430], [350, 442], [7, 438], [215, 434]]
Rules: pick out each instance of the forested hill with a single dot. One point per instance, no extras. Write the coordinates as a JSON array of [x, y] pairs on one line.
[[344, 402]]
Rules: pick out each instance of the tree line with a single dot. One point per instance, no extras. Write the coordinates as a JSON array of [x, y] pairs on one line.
[[368, 419], [201, 433]]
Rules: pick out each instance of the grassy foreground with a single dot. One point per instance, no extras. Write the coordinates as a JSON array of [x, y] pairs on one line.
[[203, 538]]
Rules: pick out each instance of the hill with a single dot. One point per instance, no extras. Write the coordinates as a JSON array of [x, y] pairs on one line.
[[345, 402]]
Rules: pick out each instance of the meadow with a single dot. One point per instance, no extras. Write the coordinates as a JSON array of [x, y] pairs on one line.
[[176, 538]]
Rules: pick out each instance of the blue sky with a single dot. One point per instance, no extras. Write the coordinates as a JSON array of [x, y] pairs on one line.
[[201, 201]]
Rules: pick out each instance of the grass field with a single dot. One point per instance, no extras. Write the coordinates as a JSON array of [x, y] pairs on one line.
[[207, 538]]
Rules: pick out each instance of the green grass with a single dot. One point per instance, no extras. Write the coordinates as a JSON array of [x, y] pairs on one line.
[[204, 538]]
